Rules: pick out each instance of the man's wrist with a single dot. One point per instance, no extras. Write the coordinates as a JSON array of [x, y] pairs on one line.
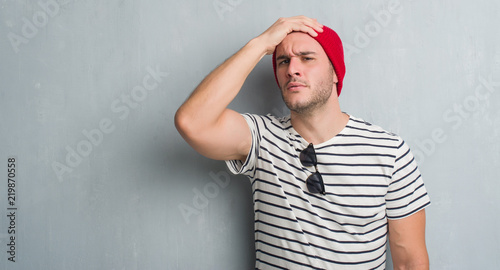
[[260, 46]]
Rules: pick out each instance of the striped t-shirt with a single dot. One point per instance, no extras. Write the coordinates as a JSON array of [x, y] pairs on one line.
[[370, 176]]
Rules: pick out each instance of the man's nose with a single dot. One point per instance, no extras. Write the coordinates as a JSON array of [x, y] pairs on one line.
[[294, 68]]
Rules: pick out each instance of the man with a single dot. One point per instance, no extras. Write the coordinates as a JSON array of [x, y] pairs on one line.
[[328, 187]]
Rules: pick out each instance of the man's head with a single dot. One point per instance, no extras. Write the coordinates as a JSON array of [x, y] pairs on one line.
[[304, 73], [332, 46]]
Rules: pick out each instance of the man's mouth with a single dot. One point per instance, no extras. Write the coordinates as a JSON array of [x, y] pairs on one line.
[[292, 86]]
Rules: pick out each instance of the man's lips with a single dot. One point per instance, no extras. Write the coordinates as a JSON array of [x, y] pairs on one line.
[[294, 85]]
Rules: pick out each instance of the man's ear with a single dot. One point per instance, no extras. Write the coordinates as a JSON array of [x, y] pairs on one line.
[[335, 79]]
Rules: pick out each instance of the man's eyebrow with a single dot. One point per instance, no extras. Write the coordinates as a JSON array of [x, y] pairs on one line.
[[284, 56], [306, 53]]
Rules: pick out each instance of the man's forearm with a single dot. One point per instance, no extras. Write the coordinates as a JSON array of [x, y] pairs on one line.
[[208, 101]]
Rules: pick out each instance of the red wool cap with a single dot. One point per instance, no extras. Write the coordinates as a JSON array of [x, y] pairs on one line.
[[332, 45]]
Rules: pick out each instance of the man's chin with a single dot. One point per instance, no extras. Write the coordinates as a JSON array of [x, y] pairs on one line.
[[296, 107]]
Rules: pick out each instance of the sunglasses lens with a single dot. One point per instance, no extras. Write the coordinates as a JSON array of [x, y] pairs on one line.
[[315, 183], [308, 156]]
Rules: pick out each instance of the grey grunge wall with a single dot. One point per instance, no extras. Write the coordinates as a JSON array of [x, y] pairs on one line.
[[95, 176]]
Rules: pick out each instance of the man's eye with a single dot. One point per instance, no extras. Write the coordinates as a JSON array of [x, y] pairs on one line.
[[284, 62]]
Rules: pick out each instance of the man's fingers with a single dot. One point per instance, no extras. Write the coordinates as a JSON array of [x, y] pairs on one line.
[[284, 26], [306, 25], [314, 24]]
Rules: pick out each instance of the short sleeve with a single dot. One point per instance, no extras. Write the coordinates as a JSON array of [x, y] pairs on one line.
[[407, 193], [248, 167]]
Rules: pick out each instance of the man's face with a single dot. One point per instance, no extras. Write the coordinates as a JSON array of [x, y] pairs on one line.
[[305, 74]]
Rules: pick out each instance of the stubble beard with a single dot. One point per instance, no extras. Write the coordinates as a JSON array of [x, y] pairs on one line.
[[319, 97]]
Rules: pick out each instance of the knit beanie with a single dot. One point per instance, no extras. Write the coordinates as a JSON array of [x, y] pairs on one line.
[[332, 45]]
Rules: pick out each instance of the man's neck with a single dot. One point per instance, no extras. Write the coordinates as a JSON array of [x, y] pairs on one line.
[[320, 126]]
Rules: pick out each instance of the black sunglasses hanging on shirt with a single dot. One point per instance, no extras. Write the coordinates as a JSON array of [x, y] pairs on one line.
[[314, 182]]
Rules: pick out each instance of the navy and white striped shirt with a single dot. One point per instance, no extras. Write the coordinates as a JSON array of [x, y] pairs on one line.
[[370, 176]]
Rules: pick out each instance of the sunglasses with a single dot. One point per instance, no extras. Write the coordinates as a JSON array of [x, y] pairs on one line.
[[314, 182]]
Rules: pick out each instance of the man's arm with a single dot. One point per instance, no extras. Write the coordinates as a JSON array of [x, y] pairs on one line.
[[407, 241], [204, 120]]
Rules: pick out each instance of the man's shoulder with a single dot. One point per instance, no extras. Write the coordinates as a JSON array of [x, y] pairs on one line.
[[363, 126], [277, 121]]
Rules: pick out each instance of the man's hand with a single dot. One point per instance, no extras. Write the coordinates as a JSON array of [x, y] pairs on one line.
[[273, 36]]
